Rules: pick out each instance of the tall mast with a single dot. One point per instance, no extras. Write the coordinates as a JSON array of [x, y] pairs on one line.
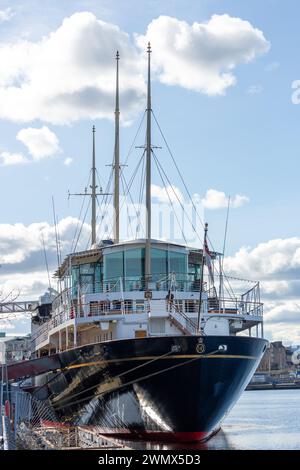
[[94, 189], [117, 159], [148, 174], [93, 194]]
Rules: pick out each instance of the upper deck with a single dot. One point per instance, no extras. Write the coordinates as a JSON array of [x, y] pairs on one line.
[[106, 296]]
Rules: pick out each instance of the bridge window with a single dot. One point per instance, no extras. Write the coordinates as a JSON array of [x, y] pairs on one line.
[[177, 262], [134, 263], [114, 265]]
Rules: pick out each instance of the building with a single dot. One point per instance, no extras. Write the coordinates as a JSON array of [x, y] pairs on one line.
[[275, 358], [14, 348]]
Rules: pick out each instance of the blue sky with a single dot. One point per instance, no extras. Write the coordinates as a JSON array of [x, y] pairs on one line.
[[244, 141]]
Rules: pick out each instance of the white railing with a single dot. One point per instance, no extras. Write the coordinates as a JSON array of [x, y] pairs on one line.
[[248, 305]]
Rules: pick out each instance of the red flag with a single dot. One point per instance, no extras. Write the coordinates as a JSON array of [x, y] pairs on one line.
[[208, 260]]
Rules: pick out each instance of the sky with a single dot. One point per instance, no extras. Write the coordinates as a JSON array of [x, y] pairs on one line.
[[225, 93]]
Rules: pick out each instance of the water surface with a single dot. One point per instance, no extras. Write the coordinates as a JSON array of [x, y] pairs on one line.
[[261, 420]]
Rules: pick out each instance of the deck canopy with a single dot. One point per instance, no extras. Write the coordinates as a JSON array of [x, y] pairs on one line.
[[108, 262]]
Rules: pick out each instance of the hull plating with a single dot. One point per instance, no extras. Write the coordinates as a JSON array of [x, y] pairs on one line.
[[166, 388]]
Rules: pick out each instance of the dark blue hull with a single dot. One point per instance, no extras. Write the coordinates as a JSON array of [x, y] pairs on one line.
[[177, 388]]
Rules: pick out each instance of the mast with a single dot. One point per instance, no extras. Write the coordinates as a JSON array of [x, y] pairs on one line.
[[93, 194], [117, 159], [201, 280], [94, 189], [148, 175]]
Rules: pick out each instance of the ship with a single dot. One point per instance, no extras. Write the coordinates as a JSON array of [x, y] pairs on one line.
[[142, 339]]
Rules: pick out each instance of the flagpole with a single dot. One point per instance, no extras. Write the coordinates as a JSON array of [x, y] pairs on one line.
[[201, 280]]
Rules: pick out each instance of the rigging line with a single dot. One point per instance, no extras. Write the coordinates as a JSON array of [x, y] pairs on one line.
[[176, 195], [56, 237], [62, 371], [170, 201], [142, 188], [105, 202], [131, 180], [107, 189], [99, 179], [123, 186], [180, 175], [121, 375], [132, 202], [122, 183], [138, 380], [134, 173], [81, 209], [135, 137], [230, 288], [186, 188], [46, 260], [102, 218], [82, 224]]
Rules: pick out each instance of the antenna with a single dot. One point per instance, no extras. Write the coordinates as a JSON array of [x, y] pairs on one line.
[[93, 194], [46, 260], [56, 239]]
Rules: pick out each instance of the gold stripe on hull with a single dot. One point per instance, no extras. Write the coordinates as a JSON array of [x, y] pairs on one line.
[[148, 358]]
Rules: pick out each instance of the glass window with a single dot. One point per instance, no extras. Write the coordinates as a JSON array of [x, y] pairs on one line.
[[178, 262], [159, 263], [139, 305], [75, 280], [87, 283], [134, 263], [87, 268], [114, 265]]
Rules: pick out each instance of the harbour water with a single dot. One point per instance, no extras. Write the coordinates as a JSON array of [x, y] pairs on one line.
[[261, 420]]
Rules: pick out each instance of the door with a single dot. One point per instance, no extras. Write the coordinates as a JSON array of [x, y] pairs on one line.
[[140, 333]]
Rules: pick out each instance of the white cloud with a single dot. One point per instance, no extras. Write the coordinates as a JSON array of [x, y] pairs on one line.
[[19, 242], [70, 74], [68, 161], [6, 15], [255, 90], [202, 56], [214, 199], [7, 158], [25, 286], [276, 264], [166, 194], [276, 259], [40, 143]]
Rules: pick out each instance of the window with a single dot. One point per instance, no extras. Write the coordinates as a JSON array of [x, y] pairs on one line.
[[114, 265], [116, 305], [177, 262], [134, 263], [140, 306], [159, 263]]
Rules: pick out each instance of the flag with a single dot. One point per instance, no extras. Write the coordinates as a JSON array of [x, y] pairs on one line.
[[208, 260]]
